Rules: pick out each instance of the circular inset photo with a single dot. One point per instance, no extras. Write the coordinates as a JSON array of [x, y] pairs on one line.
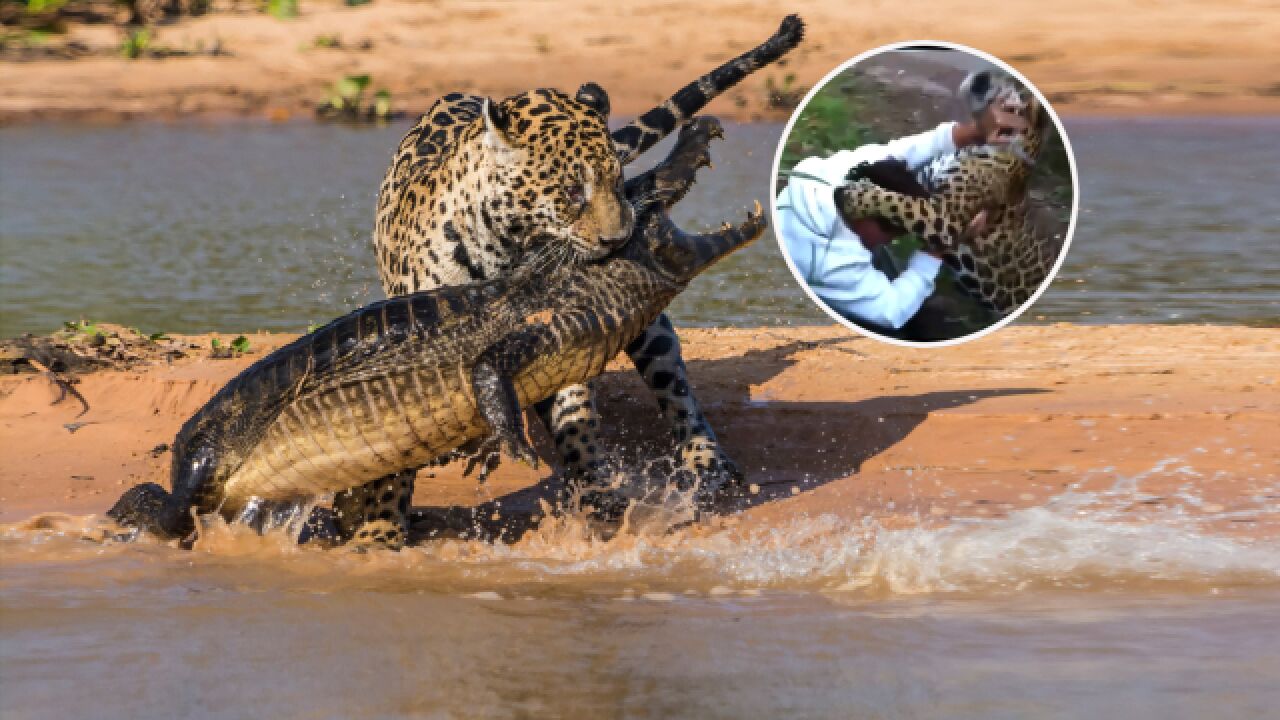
[[924, 193]]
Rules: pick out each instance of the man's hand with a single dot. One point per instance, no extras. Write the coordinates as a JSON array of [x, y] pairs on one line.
[[997, 125]]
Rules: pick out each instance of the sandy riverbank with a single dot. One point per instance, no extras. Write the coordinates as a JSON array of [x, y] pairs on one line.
[[822, 423], [1089, 56]]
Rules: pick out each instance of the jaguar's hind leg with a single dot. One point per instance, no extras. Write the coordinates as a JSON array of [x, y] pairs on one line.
[[375, 514]]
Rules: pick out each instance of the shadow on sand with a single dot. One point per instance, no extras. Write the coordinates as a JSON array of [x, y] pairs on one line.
[[778, 444]]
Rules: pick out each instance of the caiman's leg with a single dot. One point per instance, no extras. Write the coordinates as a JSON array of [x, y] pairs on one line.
[[670, 180], [926, 217]]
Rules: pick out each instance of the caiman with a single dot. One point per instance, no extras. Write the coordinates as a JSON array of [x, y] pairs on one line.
[[399, 383]]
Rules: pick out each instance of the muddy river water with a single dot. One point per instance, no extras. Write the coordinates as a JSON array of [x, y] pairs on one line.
[[1052, 612]]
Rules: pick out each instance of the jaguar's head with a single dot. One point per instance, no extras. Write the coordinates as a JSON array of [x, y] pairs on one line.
[[559, 176]]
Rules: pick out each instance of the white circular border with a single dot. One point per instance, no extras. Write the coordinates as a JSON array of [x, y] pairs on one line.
[[1071, 162]]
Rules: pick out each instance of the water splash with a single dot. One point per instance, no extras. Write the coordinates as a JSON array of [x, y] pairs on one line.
[[1077, 540]]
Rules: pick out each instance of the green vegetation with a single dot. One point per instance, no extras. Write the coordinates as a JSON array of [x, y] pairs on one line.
[[282, 9], [137, 41], [349, 91], [238, 346], [346, 102], [327, 41], [382, 103], [829, 122], [43, 6], [86, 328]]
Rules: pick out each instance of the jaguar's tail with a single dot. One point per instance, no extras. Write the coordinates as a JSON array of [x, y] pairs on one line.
[[646, 130]]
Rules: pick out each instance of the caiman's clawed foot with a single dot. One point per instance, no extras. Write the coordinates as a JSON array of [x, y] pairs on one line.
[[488, 454], [669, 181]]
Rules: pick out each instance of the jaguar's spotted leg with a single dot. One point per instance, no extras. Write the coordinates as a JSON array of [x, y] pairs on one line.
[[571, 418], [926, 217], [657, 356], [376, 514]]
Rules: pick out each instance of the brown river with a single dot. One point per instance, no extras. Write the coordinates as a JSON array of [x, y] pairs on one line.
[[1061, 610]]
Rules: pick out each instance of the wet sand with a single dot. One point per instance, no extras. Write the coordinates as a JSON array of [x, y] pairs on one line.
[[1088, 56], [822, 423]]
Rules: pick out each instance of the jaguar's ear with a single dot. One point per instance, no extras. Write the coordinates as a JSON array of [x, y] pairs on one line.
[[594, 97], [497, 125]]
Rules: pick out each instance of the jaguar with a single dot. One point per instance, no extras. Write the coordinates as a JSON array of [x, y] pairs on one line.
[[479, 183]]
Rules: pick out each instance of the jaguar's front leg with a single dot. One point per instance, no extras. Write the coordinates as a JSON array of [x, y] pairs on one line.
[[657, 356], [926, 217]]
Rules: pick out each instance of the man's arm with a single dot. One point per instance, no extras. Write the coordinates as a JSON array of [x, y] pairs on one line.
[[996, 124], [836, 265]]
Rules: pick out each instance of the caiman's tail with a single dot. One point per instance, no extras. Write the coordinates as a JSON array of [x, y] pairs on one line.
[[643, 132], [685, 256]]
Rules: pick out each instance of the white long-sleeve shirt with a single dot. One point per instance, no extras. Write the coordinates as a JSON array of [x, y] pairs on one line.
[[831, 258]]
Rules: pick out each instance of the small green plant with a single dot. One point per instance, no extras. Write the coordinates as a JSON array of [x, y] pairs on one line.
[[157, 337], [82, 327], [314, 327], [348, 92], [282, 9], [382, 104], [136, 43], [354, 3], [39, 6], [327, 41], [238, 346]]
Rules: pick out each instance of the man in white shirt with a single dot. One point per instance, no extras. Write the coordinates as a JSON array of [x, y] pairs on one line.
[[833, 260]]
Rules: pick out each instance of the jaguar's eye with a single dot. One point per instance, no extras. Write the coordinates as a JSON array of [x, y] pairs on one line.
[[577, 194]]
